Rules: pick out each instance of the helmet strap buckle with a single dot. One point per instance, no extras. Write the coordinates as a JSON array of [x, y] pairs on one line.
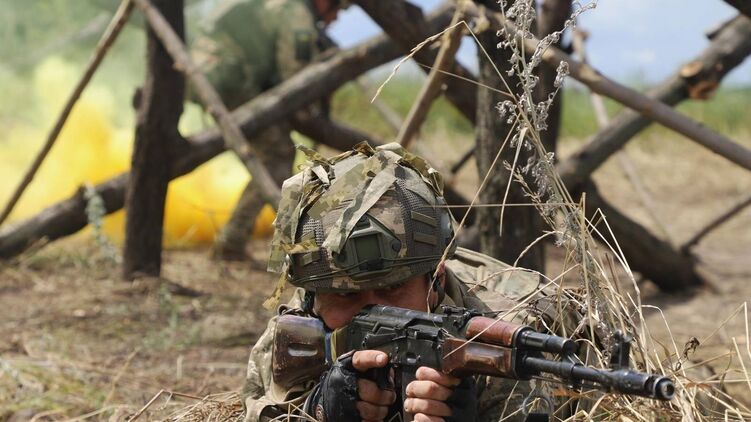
[[436, 286]]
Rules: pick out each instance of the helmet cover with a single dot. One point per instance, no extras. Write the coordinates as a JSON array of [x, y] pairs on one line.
[[365, 219]]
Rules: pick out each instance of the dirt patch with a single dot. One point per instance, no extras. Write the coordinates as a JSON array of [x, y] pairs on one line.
[[76, 340]]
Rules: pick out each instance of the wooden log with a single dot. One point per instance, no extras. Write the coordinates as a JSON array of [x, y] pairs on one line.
[[645, 105], [108, 38], [715, 223], [157, 139], [696, 79], [67, 216], [743, 6], [332, 134], [405, 23]]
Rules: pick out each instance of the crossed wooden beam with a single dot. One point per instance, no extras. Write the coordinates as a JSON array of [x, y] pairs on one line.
[[674, 269]]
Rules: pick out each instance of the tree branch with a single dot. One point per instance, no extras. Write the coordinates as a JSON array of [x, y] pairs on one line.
[[431, 89], [743, 6], [108, 38], [647, 106], [716, 222], [312, 83], [405, 23]]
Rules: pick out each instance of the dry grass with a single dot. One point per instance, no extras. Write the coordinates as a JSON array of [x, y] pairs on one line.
[[78, 344], [610, 296]]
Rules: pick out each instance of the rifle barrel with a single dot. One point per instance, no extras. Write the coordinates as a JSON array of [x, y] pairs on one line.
[[624, 381]]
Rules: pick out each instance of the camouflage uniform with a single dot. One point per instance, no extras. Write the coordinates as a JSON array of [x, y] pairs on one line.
[[249, 47], [473, 280], [321, 210]]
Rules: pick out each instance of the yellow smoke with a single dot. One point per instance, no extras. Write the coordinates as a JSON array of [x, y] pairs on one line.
[[91, 149]]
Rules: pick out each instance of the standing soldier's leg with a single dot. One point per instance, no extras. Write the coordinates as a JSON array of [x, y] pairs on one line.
[[276, 150]]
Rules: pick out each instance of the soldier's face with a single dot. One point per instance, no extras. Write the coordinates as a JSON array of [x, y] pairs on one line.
[[337, 309]]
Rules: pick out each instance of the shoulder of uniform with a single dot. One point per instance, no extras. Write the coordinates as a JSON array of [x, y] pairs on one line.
[[478, 270]]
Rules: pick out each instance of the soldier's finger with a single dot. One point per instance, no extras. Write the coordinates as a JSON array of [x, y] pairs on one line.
[[363, 360], [371, 412], [428, 390], [425, 373], [427, 407], [369, 392], [425, 418]]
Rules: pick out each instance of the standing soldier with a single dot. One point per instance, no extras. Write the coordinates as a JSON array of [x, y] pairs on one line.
[[249, 47]]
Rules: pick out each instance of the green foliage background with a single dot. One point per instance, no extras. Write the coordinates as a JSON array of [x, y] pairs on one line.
[[32, 31]]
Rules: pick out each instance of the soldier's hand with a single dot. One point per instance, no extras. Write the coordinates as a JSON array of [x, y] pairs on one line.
[[374, 403], [428, 393]]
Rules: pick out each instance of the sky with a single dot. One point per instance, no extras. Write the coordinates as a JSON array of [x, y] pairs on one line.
[[630, 40]]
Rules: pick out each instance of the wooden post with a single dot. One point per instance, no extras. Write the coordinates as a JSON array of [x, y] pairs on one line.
[[157, 140], [503, 239]]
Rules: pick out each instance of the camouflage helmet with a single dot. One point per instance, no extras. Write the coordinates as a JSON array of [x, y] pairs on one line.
[[366, 219]]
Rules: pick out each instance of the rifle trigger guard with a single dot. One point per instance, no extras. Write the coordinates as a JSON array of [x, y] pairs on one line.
[[536, 416]]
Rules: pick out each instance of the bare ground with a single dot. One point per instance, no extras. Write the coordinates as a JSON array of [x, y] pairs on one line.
[[77, 341]]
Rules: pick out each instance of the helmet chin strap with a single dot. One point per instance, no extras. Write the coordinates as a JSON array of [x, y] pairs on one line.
[[435, 285], [308, 301]]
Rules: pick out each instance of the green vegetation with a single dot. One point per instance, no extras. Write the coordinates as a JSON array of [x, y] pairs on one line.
[[350, 104], [726, 112], [36, 31]]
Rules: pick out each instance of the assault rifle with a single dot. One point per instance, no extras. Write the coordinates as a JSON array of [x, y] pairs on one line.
[[460, 342]]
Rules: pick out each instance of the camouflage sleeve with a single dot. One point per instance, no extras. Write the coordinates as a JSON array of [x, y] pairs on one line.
[[258, 377], [501, 399], [296, 39], [262, 397]]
